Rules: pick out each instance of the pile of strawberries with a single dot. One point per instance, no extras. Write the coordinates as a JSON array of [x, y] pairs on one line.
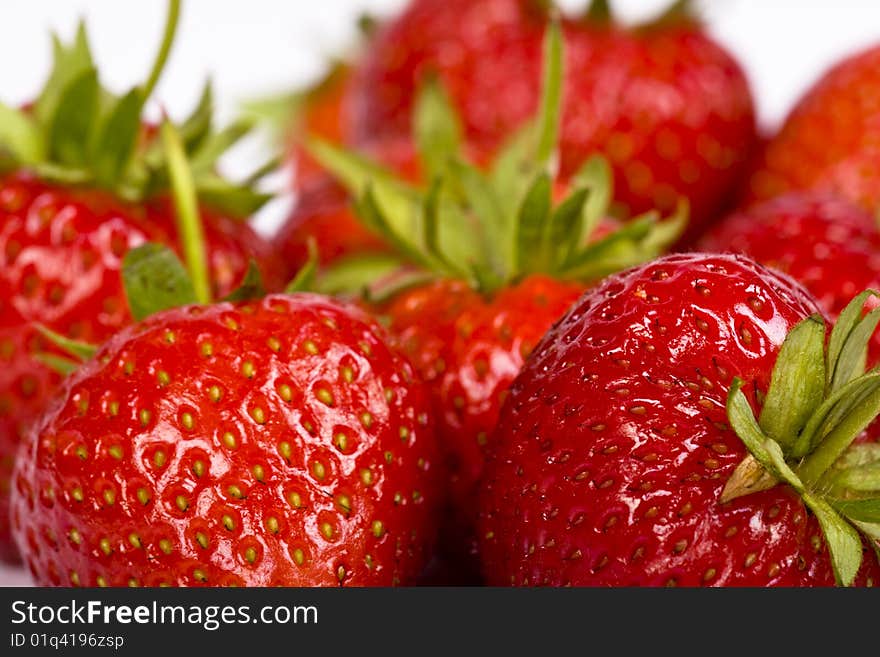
[[547, 312]]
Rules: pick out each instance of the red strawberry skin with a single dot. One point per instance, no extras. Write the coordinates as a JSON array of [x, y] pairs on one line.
[[668, 106], [613, 446], [279, 442], [469, 349], [828, 244], [60, 256], [831, 140]]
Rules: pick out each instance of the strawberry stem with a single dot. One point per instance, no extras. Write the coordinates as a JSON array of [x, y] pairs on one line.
[[189, 224], [171, 21]]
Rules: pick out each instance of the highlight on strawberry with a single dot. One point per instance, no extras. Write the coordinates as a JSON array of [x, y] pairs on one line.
[[628, 452], [258, 441], [84, 179], [481, 263]]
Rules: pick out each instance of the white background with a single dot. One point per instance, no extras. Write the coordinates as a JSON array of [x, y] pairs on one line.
[[257, 47]]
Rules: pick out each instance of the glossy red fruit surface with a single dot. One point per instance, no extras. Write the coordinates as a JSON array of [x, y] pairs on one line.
[[830, 245], [469, 349], [831, 139], [613, 446], [669, 107], [265, 443], [61, 252]]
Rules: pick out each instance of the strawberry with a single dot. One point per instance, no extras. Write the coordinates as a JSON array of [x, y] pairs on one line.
[[830, 245], [627, 452], [668, 105], [260, 440], [278, 442], [75, 196], [830, 139], [483, 264]]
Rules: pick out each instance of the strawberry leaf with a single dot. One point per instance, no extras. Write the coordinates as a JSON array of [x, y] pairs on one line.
[[20, 137], [839, 438], [550, 114], [797, 384], [58, 364], [596, 176], [437, 128], [79, 350], [237, 201], [198, 124], [71, 126], [357, 273], [117, 138], [533, 218], [565, 229], [304, 281], [69, 64], [251, 286], [840, 334], [865, 510], [854, 352], [154, 279], [844, 544]]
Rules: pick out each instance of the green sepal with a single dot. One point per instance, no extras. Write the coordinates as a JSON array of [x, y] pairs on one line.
[[864, 510], [77, 349], [638, 241], [236, 201], [847, 321], [829, 413], [71, 126], [58, 364], [437, 128], [597, 177], [251, 286], [797, 384], [847, 352], [198, 124], [68, 64], [356, 274], [599, 12], [561, 239], [304, 281], [78, 133], [209, 149], [116, 141], [533, 224], [21, 140], [844, 543], [840, 437], [154, 279], [856, 471], [550, 113]]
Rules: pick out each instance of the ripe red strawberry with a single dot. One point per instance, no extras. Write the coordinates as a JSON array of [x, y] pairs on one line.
[[613, 448], [75, 196], [469, 349], [278, 442], [493, 260], [828, 244], [670, 107], [830, 139]]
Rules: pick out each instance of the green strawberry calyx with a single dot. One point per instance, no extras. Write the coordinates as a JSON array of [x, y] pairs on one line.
[[79, 133], [820, 400], [154, 278], [492, 227]]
